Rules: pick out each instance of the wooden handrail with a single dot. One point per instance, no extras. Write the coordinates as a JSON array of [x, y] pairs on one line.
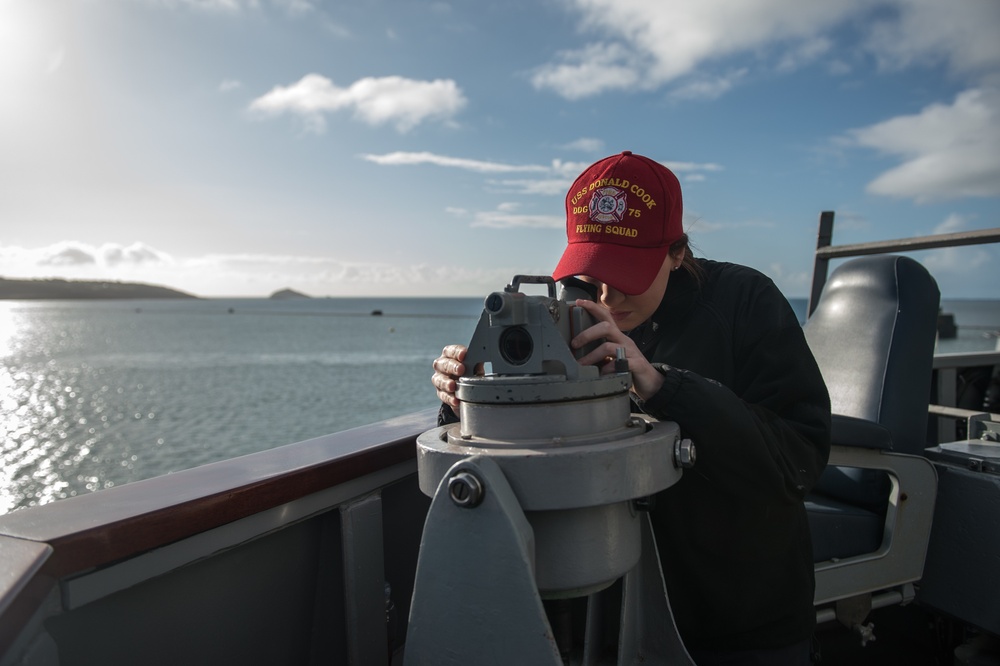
[[97, 528]]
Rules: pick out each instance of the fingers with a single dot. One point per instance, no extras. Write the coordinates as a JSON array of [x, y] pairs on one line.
[[603, 355], [604, 328], [596, 310], [447, 368], [443, 382], [449, 399], [446, 387], [456, 352]]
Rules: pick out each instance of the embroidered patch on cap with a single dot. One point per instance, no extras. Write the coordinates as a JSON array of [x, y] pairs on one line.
[[608, 205]]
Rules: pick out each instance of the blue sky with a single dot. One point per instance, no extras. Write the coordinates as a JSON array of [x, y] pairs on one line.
[[378, 147]]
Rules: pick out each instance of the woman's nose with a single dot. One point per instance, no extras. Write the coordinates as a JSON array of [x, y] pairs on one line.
[[609, 295]]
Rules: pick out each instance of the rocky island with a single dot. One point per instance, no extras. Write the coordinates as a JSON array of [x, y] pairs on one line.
[[288, 294]]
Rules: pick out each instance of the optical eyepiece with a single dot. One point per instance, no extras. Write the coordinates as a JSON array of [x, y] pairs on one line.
[[495, 303]]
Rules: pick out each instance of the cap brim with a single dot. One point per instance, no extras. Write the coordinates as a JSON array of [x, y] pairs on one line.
[[630, 270]]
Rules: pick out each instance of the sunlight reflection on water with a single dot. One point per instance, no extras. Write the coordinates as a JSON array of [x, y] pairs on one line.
[[101, 395]]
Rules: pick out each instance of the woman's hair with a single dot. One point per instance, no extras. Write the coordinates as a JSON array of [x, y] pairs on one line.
[[689, 263]]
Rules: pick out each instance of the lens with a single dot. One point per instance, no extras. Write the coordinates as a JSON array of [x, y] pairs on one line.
[[516, 345]]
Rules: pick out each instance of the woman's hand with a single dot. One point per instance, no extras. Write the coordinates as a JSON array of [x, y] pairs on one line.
[[646, 381], [448, 367]]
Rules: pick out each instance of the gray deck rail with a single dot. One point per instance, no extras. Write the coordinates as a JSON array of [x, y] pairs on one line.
[[59, 560], [825, 250]]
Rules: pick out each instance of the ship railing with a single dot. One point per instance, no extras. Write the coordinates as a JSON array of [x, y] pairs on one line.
[[266, 558], [947, 366], [825, 250], [948, 416]]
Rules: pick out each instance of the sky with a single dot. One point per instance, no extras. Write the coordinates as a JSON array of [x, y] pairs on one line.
[[408, 148]]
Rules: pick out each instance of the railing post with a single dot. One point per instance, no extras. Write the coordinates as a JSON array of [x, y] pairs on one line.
[[821, 264], [364, 581]]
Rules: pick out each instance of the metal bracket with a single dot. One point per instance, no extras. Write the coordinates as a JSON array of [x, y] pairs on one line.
[[475, 600]]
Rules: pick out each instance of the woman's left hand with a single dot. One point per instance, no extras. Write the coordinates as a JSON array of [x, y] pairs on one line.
[[646, 380]]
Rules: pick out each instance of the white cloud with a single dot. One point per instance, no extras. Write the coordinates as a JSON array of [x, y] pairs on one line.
[[952, 224], [501, 219], [962, 33], [295, 7], [66, 254], [693, 221], [535, 186], [708, 88], [291, 7], [804, 53], [560, 174], [207, 5], [686, 167], [404, 103], [229, 85], [569, 169], [948, 151], [839, 68], [585, 144], [789, 282], [412, 159], [253, 275], [70, 254], [595, 69], [647, 44], [136, 253], [260, 274], [957, 261]]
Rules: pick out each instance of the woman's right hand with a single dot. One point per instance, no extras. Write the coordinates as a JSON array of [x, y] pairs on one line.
[[448, 367]]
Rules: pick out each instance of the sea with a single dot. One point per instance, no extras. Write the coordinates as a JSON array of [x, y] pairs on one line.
[[95, 394]]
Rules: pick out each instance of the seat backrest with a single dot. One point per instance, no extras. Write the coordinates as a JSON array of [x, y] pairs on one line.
[[873, 334]]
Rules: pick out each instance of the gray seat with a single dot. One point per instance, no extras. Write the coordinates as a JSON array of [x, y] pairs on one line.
[[873, 334]]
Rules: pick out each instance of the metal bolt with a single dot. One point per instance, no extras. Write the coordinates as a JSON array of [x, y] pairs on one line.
[[635, 422], [685, 453], [465, 490]]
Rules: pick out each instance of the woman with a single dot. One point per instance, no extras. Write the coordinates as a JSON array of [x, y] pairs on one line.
[[716, 348]]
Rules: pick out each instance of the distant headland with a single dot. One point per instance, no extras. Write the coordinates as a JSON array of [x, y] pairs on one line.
[[57, 289]]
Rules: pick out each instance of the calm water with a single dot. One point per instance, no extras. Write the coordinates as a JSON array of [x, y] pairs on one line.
[[96, 394]]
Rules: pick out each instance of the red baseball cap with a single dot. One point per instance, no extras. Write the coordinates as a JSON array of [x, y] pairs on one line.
[[622, 215]]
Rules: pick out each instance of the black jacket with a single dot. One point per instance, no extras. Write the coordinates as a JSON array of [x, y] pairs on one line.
[[742, 384]]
